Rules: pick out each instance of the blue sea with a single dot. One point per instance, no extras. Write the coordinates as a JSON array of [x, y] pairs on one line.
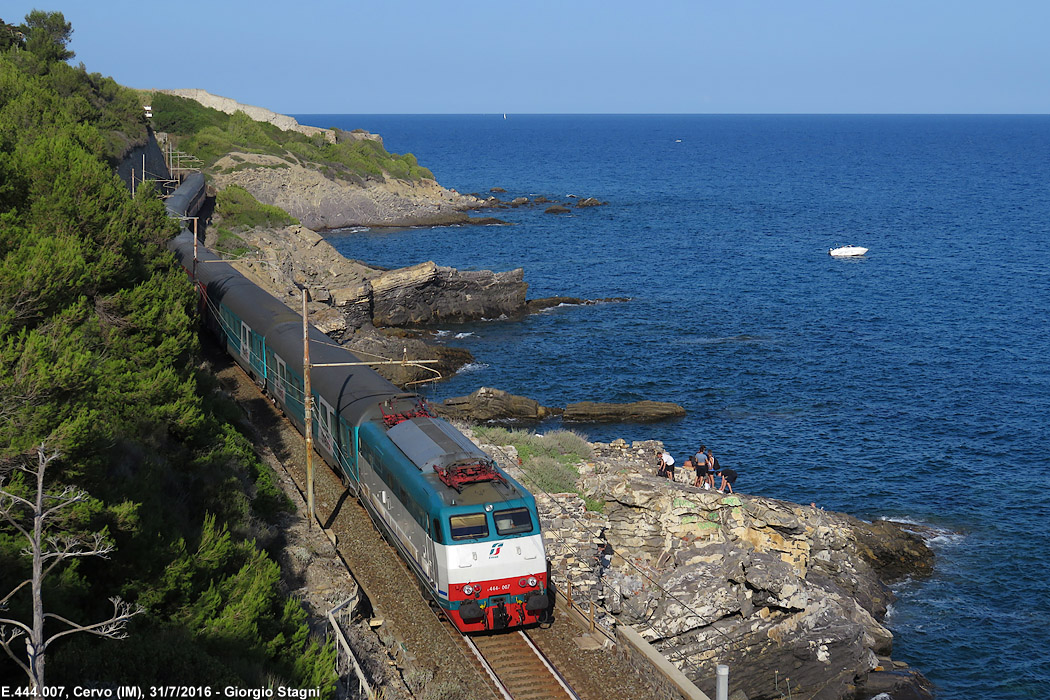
[[912, 383]]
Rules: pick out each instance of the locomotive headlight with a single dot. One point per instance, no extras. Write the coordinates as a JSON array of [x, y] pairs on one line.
[[532, 581], [468, 589]]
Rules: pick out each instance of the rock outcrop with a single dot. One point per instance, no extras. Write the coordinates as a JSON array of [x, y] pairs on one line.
[[321, 203], [789, 596], [295, 257], [428, 293], [348, 300], [487, 404], [636, 412]]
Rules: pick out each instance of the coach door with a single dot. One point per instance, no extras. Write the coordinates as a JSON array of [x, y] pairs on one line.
[[246, 343], [282, 378], [325, 424]]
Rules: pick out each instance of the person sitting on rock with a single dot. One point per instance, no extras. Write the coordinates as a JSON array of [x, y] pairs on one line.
[[689, 465], [728, 479]]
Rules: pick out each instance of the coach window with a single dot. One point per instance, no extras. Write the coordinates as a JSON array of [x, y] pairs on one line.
[[469, 526], [436, 534], [513, 522]]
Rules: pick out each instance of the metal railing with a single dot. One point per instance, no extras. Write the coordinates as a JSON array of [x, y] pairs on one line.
[[346, 661]]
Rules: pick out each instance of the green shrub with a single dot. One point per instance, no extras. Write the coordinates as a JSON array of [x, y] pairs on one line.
[[183, 116], [569, 442], [210, 134], [595, 504], [230, 245], [550, 475], [239, 209]]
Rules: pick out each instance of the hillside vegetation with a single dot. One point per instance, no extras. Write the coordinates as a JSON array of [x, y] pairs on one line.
[[99, 359], [210, 134]]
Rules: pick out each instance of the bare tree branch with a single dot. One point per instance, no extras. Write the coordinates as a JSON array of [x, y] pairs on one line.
[[4, 512], [3, 601], [4, 621], [5, 643], [112, 628], [47, 551], [14, 499], [64, 547]]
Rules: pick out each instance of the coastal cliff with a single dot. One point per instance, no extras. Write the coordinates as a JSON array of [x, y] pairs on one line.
[[322, 203], [790, 596], [325, 178]]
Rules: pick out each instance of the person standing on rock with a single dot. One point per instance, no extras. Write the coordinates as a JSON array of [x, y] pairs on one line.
[[711, 464], [700, 467]]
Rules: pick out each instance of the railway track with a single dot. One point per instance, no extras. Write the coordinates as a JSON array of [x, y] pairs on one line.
[[519, 668]]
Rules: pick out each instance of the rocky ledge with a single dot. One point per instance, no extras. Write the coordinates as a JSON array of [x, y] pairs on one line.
[[488, 404], [321, 203], [296, 257], [791, 597]]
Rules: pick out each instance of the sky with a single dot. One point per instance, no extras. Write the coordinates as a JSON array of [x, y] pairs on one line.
[[575, 56]]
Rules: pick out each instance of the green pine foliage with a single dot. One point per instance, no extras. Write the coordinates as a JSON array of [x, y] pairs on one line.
[[210, 134], [99, 359]]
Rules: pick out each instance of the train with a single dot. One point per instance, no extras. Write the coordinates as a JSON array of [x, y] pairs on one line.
[[468, 531]]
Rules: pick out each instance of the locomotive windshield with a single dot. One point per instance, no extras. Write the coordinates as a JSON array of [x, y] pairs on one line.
[[468, 526], [513, 521]]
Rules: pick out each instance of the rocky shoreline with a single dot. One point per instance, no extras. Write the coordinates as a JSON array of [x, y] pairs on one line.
[[791, 597]]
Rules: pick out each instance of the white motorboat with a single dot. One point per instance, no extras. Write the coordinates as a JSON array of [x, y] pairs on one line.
[[847, 251]]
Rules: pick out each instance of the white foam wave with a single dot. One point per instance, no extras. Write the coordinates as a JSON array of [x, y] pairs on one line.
[[935, 536], [562, 305], [463, 335], [442, 334], [472, 367]]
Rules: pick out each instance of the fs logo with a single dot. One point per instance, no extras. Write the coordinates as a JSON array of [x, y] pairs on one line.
[[494, 552]]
